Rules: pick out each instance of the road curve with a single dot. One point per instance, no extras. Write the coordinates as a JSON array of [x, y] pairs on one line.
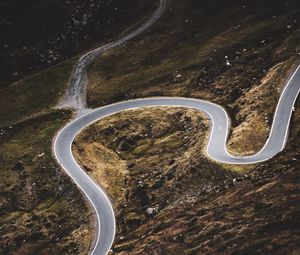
[[75, 96], [216, 147]]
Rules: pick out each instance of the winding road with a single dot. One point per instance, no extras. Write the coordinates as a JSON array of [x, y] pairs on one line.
[[75, 96], [216, 147]]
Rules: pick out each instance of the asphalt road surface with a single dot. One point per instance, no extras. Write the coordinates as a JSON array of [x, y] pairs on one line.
[[75, 96], [216, 147]]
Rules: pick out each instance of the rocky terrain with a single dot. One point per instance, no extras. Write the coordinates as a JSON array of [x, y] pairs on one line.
[[41, 210], [170, 199], [256, 213], [232, 53], [145, 161], [39, 34]]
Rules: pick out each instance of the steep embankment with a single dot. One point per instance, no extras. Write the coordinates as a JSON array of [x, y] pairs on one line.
[[232, 53], [41, 211], [168, 197], [39, 34]]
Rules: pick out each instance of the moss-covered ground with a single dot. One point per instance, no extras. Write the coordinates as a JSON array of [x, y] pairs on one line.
[[232, 53], [169, 198], [41, 210], [40, 34]]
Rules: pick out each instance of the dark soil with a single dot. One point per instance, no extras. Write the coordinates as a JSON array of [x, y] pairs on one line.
[[38, 34], [172, 200], [41, 210]]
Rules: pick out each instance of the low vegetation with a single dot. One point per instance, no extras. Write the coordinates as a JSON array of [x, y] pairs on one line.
[[34, 94], [231, 53], [41, 210], [39, 34], [147, 163], [170, 199]]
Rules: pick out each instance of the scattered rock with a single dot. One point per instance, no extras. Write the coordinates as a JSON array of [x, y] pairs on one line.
[[41, 155]]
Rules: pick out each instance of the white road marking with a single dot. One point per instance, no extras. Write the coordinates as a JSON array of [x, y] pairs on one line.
[[216, 147]]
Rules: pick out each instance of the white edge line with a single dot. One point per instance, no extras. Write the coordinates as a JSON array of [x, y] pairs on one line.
[[82, 189], [132, 108], [107, 46], [228, 124]]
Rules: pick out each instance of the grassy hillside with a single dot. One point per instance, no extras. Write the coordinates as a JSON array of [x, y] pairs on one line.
[[41, 210], [169, 198], [34, 94], [148, 162], [39, 34], [232, 53]]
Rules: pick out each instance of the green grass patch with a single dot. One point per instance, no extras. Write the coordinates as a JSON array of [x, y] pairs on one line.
[[33, 94]]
